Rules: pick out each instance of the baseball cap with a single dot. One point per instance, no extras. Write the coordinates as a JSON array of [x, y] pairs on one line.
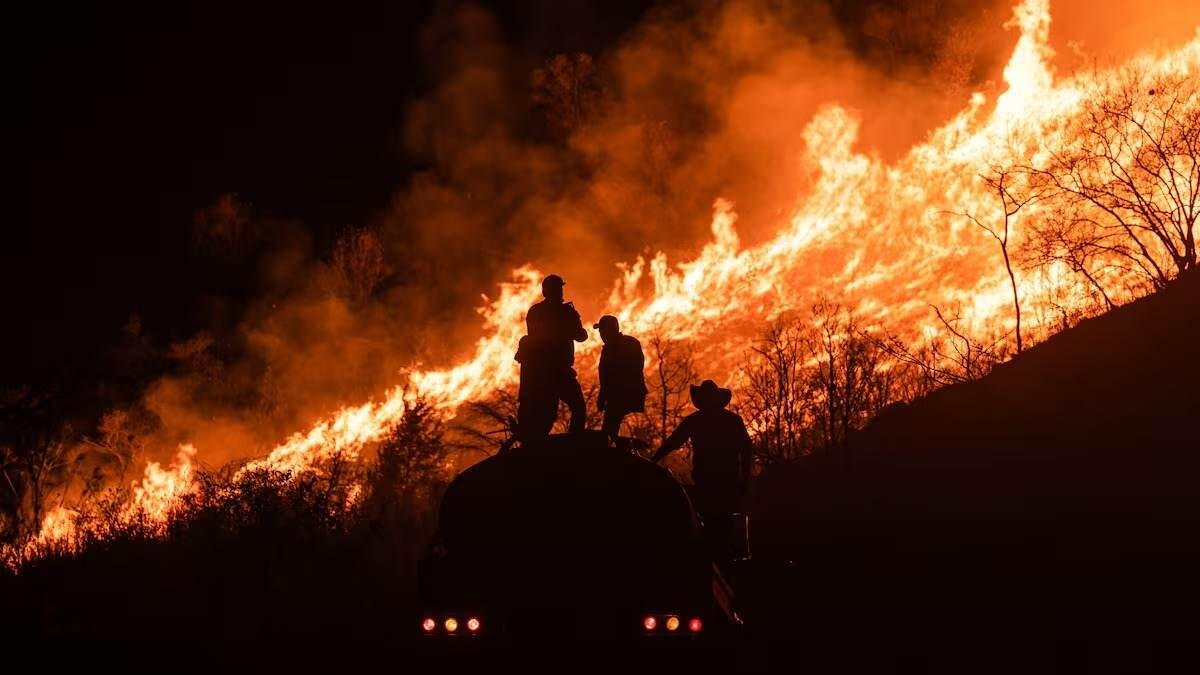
[[607, 320]]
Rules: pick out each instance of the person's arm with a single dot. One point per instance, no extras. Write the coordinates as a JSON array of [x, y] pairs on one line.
[[641, 366], [581, 334], [675, 440], [602, 397]]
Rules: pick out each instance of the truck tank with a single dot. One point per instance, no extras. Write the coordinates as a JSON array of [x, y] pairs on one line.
[[570, 537]]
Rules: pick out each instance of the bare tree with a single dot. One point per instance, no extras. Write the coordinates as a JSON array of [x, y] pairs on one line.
[[950, 358], [567, 88], [1052, 243], [777, 395], [12, 489], [672, 371], [121, 438], [488, 425], [811, 382], [35, 456], [999, 182], [851, 379], [1124, 183], [358, 264]]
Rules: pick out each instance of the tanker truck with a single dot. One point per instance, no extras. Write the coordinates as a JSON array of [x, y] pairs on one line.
[[570, 538]]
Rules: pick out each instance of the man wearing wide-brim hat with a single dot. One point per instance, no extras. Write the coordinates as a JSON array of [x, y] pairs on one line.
[[721, 450]]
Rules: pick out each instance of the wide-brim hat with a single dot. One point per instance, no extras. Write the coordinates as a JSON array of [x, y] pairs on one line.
[[708, 396]]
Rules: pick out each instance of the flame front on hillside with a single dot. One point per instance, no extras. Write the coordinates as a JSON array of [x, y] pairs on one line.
[[876, 232]]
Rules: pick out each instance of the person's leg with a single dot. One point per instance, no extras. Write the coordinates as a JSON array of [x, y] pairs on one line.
[[535, 417], [572, 395], [612, 421], [716, 503]]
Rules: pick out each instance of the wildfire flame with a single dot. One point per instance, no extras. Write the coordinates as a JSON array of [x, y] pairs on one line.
[[161, 488], [150, 505], [840, 236]]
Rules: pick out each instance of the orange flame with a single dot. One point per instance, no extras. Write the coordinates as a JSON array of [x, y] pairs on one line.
[[841, 236], [836, 239], [57, 530], [151, 505], [161, 489]]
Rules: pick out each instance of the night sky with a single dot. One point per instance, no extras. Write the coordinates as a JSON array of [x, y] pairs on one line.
[[140, 117]]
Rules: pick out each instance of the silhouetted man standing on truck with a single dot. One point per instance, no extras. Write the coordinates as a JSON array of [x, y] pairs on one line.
[[622, 382], [721, 451], [547, 358]]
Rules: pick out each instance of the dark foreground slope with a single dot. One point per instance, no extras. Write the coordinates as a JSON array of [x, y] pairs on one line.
[[1054, 503]]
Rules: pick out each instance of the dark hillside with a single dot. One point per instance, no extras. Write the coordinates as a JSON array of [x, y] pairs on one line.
[[1057, 498]]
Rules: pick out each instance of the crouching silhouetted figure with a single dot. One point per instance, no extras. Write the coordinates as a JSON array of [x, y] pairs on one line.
[[721, 462], [547, 358], [622, 380]]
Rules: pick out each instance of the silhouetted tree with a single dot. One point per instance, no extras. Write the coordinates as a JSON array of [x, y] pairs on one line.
[[488, 424], [672, 363], [409, 465], [121, 438], [36, 456], [949, 358], [567, 88], [811, 382], [999, 182], [1123, 181], [850, 379], [777, 394], [358, 263]]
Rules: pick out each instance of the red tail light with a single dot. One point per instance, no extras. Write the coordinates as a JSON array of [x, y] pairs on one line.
[[472, 624], [695, 625], [429, 625], [650, 623]]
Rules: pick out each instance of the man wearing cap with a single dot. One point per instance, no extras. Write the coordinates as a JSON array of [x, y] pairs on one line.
[[721, 450], [547, 357], [622, 380]]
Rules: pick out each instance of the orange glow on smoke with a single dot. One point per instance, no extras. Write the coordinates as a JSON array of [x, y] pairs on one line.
[[872, 231]]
